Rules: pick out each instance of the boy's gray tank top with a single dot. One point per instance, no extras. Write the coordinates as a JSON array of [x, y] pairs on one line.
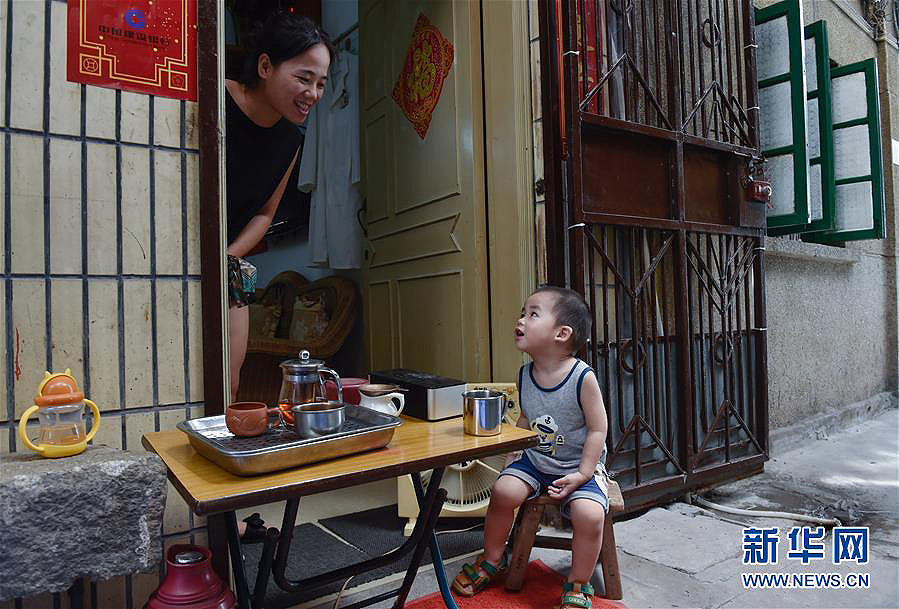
[[556, 414]]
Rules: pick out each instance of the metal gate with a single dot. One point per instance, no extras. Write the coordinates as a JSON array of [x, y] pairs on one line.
[[650, 124]]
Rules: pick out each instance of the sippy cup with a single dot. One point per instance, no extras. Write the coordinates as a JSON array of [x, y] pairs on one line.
[[60, 409]]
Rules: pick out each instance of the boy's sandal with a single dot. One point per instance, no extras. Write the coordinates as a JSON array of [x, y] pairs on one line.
[[576, 595], [474, 578]]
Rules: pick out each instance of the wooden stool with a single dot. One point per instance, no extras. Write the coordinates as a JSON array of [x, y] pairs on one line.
[[524, 537]]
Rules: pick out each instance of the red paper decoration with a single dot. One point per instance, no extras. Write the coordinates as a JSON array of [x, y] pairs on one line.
[[428, 61]]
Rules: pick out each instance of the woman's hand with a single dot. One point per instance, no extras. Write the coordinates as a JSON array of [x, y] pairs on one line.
[[566, 485]]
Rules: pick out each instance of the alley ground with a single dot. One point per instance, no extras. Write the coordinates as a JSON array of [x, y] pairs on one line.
[[686, 556]]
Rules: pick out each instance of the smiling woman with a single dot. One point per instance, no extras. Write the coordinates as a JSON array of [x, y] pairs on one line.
[[284, 75]]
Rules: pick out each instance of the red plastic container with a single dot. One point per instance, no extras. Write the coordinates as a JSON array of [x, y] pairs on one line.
[[350, 389], [190, 582]]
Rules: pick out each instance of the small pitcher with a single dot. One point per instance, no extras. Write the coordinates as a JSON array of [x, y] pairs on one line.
[[383, 398]]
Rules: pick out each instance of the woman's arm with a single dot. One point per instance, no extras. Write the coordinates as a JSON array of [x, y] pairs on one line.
[[255, 229]]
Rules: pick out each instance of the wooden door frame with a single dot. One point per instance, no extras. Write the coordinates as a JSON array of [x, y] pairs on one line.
[[509, 175], [210, 98], [508, 171], [555, 177]]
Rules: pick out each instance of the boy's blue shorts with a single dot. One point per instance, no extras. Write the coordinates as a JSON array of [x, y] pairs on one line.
[[595, 489]]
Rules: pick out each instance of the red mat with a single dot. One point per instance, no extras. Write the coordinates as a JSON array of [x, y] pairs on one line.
[[542, 590]]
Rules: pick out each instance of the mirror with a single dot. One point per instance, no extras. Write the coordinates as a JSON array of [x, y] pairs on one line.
[[291, 216]]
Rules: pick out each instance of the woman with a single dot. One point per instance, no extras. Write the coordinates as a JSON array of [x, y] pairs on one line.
[[284, 76]]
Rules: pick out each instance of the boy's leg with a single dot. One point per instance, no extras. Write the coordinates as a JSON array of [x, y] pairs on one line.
[[587, 518], [508, 493]]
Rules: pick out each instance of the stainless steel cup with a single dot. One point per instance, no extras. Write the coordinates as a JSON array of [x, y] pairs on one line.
[[482, 412], [317, 418]]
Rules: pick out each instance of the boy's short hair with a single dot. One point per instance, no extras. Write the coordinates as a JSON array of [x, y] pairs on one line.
[[570, 310]]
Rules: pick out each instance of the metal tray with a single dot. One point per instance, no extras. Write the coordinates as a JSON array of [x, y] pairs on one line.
[[280, 448]]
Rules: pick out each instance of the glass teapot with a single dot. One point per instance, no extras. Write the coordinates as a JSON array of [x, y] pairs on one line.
[[60, 409], [304, 382]]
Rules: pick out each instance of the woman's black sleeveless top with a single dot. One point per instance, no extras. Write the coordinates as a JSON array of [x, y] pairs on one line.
[[256, 160]]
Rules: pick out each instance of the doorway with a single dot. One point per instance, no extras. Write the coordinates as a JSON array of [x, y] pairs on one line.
[[430, 295]]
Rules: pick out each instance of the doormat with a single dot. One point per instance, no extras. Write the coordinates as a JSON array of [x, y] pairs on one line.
[[379, 530], [367, 534], [542, 589]]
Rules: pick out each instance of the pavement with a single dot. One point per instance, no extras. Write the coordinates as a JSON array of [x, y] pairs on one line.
[[683, 555]]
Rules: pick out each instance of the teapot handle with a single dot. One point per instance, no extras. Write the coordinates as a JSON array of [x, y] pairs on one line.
[[22, 430], [336, 378], [95, 426]]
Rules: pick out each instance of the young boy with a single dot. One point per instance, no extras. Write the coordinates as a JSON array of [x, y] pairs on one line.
[[560, 399]]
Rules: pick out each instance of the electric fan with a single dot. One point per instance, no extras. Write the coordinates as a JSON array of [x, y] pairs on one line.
[[467, 483]]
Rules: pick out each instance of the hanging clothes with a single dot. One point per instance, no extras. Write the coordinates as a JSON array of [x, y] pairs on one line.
[[330, 169]]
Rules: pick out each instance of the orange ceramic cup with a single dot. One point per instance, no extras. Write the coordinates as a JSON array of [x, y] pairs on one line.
[[247, 419]]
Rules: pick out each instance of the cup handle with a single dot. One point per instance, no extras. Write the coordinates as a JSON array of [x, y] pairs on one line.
[[269, 413], [95, 426], [398, 397], [22, 430]]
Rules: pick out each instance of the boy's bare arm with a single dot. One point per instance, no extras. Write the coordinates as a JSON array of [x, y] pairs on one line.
[[597, 425], [516, 455]]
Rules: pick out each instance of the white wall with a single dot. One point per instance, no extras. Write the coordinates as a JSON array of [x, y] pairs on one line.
[[339, 15]]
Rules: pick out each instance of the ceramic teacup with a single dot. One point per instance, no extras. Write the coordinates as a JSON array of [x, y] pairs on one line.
[[248, 419]]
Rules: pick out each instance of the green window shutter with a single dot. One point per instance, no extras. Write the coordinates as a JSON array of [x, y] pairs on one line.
[[782, 111], [820, 134], [858, 164]]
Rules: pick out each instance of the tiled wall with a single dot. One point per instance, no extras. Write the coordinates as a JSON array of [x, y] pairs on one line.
[[100, 255]]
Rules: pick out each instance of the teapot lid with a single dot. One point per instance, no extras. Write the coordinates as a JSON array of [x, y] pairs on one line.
[[303, 364], [56, 389]]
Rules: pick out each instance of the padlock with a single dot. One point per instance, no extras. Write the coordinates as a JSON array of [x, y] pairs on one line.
[[760, 190]]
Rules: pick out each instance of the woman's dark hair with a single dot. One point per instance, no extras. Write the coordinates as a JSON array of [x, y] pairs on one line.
[[281, 36], [570, 310]]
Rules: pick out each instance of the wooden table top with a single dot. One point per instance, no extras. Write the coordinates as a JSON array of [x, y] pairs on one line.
[[416, 446]]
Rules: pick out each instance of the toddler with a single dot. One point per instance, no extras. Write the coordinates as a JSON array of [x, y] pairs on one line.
[[560, 400]]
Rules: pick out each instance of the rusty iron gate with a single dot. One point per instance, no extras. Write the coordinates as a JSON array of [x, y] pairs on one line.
[[650, 128]]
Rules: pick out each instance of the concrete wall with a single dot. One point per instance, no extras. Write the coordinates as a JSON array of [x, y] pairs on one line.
[[100, 255], [832, 329]]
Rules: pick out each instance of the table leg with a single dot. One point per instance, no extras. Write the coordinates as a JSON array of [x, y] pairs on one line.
[[439, 571], [218, 545], [423, 532], [430, 517], [237, 566]]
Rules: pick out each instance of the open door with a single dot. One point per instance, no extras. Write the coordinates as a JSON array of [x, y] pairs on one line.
[[425, 276]]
